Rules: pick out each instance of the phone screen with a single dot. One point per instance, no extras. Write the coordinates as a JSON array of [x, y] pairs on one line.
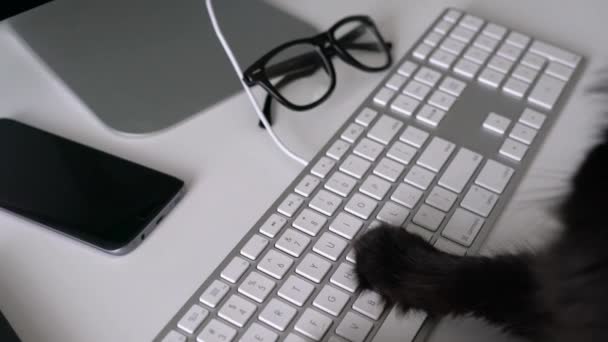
[[77, 190]]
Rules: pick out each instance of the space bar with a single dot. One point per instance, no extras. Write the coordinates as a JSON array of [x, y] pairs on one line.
[[399, 328]]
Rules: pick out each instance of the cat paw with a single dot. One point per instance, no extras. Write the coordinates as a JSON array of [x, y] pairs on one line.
[[395, 264]]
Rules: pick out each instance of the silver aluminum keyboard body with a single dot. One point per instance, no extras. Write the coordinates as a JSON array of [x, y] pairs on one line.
[[290, 278]]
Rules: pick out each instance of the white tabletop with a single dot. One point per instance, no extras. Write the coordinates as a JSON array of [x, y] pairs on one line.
[[53, 289]]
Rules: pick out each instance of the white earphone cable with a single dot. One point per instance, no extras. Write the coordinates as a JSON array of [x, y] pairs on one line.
[[239, 72]]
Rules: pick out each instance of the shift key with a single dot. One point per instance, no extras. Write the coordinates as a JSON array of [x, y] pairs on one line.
[[494, 176], [460, 170]]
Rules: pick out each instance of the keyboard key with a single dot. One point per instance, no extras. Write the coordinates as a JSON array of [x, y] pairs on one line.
[[325, 202], [407, 195], [389, 169], [463, 227], [509, 52], [323, 166], [433, 38], [273, 225], [500, 64], [393, 214], [352, 132], [341, 184], [296, 290], [235, 269], [452, 86], [214, 293], [476, 55], [375, 187], [443, 27], [479, 200], [515, 87], [330, 246], [460, 170], [277, 314], [290, 205], [370, 304], [463, 34], [216, 331], [416, 90], [404, 105], [385, 129], [449, 247], [193, 319], [414, 136], [307, 185], [419, 177], [518, 39], [383, 96], [513, 149], [417, 230], [254, 247], [466, 68], [494, 31], [401, 152], [355, 166], [442, 59], [313, 324], [427, 76], [441, 198], [396, 82], [442, 100], [361, 206], [555, 54], [275, 264], [428, 217], [258, 333], [338, 149], [436, 154], [313, 267], [494, 176], [525, 73], [345, 278], [310, 222], [237, 310], [174, 336], [346, 225], [491, 77], [256, 286], [350, 256], [366, 116], [292, 242], [430, 115], [496, 123], [486, 43], [354, 327], [452, 15], [546, 92], [422, 51], [331, 300], [523, 133], [533, 61], [452, 46], [368, 149], [407, 68], [472, 22], [532, 118]]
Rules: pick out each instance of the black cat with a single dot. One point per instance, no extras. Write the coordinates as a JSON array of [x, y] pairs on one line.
[[557, 294]]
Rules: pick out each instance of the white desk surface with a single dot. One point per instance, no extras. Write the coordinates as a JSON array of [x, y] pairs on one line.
[[53, 289]]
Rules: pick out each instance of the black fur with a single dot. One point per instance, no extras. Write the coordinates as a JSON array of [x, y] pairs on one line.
[[559, 294]]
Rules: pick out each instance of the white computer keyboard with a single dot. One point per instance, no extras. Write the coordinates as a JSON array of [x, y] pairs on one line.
[[437, 148]]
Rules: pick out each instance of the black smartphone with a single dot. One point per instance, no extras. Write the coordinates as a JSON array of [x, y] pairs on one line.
[[83, 193]]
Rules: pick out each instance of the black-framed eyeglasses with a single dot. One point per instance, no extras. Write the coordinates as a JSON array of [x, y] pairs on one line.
[[288, 71]]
